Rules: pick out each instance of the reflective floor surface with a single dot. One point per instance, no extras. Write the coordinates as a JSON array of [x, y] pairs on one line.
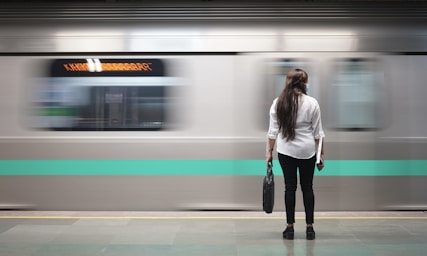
[[25, 233]]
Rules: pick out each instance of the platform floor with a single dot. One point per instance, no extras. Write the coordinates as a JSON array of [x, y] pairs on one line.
[[36, 233]]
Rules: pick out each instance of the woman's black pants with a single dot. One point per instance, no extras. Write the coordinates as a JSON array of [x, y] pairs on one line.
[[305, 167]]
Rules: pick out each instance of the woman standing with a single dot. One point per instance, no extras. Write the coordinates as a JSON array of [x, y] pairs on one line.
[[296, 125]]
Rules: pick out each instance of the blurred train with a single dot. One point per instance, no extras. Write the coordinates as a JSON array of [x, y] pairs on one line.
[[142, 106]]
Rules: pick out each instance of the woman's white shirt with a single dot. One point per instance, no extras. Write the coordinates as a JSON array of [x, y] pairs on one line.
[[308, 127]]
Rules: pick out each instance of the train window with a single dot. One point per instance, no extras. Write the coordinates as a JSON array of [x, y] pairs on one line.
[[104, 95], [276, 72], [356, 95]]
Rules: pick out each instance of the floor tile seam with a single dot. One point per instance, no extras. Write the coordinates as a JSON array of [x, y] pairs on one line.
[[212, 217], [194, 215]]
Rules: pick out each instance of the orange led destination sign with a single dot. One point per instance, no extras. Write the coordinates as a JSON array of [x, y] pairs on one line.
[[122, 66], [107, 67]]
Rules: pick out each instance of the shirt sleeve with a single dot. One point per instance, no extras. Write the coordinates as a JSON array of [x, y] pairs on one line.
[[317, 123], [273, 129]]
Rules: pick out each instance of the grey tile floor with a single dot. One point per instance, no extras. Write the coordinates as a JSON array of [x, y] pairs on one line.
[[24, 233]]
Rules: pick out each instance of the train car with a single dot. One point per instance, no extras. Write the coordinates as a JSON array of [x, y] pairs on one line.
[[142, 106]]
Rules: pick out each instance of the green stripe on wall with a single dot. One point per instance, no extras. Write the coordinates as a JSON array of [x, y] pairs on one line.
[[205, 167]]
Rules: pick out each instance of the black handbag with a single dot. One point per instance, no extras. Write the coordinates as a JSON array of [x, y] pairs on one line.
[[268, 190]]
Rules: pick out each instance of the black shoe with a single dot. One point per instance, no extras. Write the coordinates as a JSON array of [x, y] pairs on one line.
[[311, 235], [288, 234]]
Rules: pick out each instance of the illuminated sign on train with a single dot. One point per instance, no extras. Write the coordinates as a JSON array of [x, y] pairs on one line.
[[99, 67], [107, 67]]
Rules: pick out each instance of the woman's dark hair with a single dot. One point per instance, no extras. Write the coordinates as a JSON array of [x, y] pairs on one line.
[[288, 102]]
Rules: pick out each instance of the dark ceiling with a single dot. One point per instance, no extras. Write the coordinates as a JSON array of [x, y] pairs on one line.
[[40, 4], [203, 1]]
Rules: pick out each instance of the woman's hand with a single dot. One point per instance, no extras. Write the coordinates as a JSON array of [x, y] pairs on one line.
[[322, 163], [269, 158]]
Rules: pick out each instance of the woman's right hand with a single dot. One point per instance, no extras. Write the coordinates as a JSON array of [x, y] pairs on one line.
[[269, 158]]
